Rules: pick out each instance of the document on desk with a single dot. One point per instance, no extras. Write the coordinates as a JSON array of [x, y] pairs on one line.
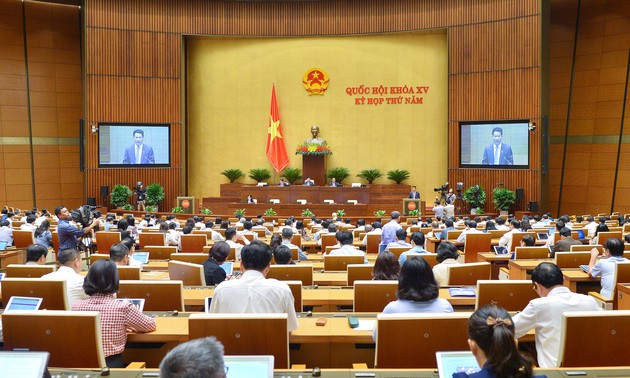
[[366, 325]]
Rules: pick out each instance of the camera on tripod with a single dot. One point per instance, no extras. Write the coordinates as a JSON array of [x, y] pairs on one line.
[[443, 188], [83, 215]]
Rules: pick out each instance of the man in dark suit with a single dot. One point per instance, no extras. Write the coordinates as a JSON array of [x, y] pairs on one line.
[[565, 243], [497, 153], [334, 183], [309, 182], [414, 194], [138, 152]]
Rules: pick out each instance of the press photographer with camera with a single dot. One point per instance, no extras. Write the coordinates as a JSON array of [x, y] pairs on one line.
[[67, 232]]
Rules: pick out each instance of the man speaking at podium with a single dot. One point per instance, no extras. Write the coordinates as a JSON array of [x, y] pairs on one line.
[[497, 153]]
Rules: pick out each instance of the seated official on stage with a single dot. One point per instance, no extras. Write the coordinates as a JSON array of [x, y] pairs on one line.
[[334, 183], [309, 182], [345, 240], [252, 292]]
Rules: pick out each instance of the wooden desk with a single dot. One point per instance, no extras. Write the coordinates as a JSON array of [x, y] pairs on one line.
[[579, 281], [520, 269], [12, 256], [497, 261]]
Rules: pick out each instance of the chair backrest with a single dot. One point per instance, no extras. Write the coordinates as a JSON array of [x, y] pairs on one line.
[[53, 292], [496, 234], [296, 239], [73, 338], [424, 334], [397, 251], [453, 234], [328, 239], [476, 243], [373, 296], [94, 257], [516, 240], [603, 236], [468, 274], [195, 258], [105, 239], [23, 238], [151, 238], [372, 242], [608, 335], [296, 272], [359, 272], [193, 242], [430, 258], [524, 253], [513, 295], [28, 271], [587, 248], [245, 334], [55, 241], [339, 263], [158, 295], [128, 272], [159, 252], [622, 275], [190, 274], [572, 259], [296, 290]]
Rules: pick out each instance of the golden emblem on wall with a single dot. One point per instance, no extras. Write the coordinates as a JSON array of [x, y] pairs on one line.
[[315, 81]]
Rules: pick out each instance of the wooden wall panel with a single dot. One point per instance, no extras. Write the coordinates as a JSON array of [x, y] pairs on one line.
[[134, 70]]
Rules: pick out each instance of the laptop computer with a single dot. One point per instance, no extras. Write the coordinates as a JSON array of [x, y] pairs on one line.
[[3, 245], [449, 363], [249, 366], [143, 257], [228, 266], [543, 235], [23, 364], [584, 268], [23, 304], [580, 234], [137, 302], [499, 250]]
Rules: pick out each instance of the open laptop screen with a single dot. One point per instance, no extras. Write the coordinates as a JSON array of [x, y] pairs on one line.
[[456, 362], [228, 267], [143, 257], [23, 304], [23, 364], [249, 366], [3, 245], [137, 302]]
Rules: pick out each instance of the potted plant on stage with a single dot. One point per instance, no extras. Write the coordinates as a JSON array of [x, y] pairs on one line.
[[291, 175], [476, 198], [233, 174], [260, 174], [205, 211], [155, 195], [119, 197], [239, 212], [503, 199], [339, 174], [270, 212], [398, 175], [370, 175]]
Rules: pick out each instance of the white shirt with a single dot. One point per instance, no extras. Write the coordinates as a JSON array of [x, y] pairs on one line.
[[348, 250], [254, 294], [28, 227], [506, 239], [74, 283], [237, 249], [545, 315], [592, 227]]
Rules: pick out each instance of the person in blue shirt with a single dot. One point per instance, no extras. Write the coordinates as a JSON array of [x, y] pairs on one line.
[[68, 233], [417, 241], [491, 340]]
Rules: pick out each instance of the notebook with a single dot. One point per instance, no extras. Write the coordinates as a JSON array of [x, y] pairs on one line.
[[228, 267], [143, 257], [249, 366], [543, 235], [3, 245], [462, 292], [23, 304], [449, 363], [137, 302], [500, 250], [23, 364]]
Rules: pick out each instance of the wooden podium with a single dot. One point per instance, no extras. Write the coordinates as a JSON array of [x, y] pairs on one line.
[[314, 166], [188, 203], [412, 204]]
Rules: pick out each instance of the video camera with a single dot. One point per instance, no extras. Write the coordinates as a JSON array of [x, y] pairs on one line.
[[83, 215], [443, 188]]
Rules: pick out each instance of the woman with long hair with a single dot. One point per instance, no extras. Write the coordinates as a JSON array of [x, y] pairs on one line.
[[43, 235], [386, 267], [491, 339]]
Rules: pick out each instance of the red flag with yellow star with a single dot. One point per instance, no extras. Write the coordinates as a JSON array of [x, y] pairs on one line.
[[276, 151]]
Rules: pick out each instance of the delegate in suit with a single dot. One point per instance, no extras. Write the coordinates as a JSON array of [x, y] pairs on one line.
[[138, 152], [497, 153]]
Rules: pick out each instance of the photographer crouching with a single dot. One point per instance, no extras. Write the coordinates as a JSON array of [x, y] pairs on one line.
[[68, 234]]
